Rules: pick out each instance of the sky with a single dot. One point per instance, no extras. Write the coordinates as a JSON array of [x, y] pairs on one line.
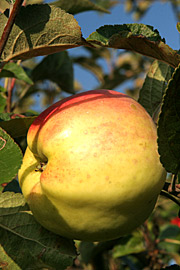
[[160, 16]]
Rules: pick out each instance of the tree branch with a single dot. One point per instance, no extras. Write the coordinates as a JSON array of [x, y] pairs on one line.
[[9, 25]]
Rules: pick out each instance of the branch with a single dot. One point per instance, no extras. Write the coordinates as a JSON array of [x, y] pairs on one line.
[[169, 196], [9, 25], [10, 90]]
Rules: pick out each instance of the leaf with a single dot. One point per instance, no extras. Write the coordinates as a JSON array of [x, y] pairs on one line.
[[13, 186], [6, 263], [150, 96], [178, 26], [29, 244], [169, 125], [172, 267], [16, 71], [2, 101], [91, 65], [40, 30], [169, 231], [139, 38], [17, 127], [3, 5], [86, 250], [77, 6], [57, 68], [10, 157], [129, 245], [2, 89]]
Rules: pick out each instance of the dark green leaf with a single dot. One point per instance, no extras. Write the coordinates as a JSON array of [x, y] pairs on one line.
[[40, 30], [57, 68], [10, 157], [30, 245], [169, 126], [17, 127], [12, 186], [169, 231], [86, 251], [77, 6], [16, 71], [150, 96], [139, 38], [172, 267]]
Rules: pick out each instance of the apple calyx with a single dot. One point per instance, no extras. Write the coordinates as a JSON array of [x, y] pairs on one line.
[[41, 166]]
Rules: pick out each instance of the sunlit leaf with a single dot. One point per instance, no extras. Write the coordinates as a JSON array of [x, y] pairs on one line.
[[40, 30], [16, 71], [77, 6], [139, 38], [4, 5]]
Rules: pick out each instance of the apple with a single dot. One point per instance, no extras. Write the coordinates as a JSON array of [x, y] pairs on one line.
[[91, 170]]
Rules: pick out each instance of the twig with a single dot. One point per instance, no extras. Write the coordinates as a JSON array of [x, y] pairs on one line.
[[10, 90], [9, 25], [172, 186], [169, 196]]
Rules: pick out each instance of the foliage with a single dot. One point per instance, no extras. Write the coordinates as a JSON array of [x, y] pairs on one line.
[[35, 61]]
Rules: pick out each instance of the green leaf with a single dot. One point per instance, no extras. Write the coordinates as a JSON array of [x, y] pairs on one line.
[[129, 245], [169, 231], [40, 30], [150, 96], [17, 127], [6, 262], [77, 6], [10, 157], [86, 250], [139, 38], [16, 71], [178, 26], [2, 99], [169, 125], [2, 89], [2, 102], [11, 1], [29, 244], [13, 186], [57, 68]]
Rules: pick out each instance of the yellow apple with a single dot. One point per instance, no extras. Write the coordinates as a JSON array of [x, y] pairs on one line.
[[91, 170]]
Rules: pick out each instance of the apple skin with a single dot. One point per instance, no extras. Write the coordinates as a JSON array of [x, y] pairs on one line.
[[103, 173]]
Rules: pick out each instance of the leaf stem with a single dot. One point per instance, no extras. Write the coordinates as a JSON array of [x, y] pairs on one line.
[[9, 25]]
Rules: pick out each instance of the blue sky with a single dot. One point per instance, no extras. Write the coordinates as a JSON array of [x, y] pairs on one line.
[[160, 16]]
